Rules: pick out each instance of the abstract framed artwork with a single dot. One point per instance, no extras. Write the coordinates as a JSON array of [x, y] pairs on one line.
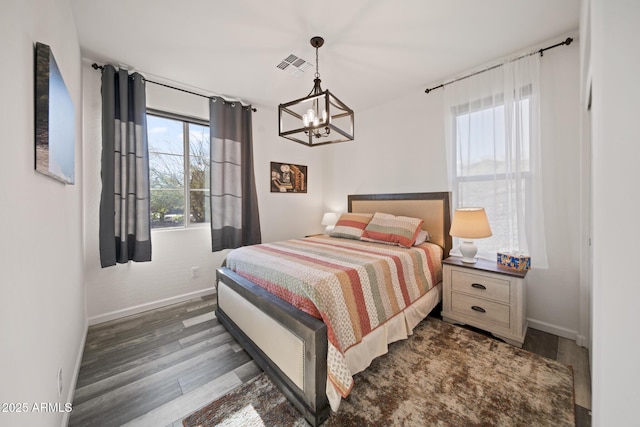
[[288, 178], [54, 119]]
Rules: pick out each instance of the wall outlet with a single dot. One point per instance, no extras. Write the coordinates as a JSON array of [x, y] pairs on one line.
[[195, 272], [59, 382]]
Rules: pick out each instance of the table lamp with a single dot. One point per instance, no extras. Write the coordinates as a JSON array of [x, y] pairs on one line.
[[329, 220], [469, 224]]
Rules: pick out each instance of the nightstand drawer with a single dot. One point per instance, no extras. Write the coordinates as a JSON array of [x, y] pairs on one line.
[[484, 311], [483, 286]]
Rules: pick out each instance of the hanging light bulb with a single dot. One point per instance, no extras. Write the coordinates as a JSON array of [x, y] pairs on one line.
[[309, 117]]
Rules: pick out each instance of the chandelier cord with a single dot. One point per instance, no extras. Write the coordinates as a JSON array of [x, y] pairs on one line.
[[317, 61], [316, 83]]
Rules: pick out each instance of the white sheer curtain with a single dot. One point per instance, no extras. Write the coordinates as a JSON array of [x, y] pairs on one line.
[[493, 146]]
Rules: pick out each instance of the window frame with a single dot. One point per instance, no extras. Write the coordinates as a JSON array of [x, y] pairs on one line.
[[457, 180], [186, 121]]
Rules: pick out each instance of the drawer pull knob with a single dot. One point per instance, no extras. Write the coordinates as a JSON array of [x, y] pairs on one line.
[[476, 308], [478, 286]]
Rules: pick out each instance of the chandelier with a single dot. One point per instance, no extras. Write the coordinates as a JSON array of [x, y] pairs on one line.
[[317, 119]]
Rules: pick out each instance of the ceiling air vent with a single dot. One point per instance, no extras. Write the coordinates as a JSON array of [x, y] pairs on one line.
[[298, 65]]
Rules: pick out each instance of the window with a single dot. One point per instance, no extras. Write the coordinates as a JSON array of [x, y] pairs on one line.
[[178, 170], [493, 147], [494, 171]]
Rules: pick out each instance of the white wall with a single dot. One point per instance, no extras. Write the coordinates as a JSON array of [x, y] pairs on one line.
[[616, 201], [285, 216], [400, 147], [42, 315], [554, 293], [130, 288]]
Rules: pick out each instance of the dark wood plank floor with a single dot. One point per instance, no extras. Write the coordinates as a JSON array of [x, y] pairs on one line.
[[155, 368]]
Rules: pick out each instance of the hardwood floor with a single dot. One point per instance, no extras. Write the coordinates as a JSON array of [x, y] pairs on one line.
[[155, 368]]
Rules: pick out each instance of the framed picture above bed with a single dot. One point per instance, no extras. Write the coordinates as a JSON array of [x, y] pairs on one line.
[[54, 119], [288, 178]]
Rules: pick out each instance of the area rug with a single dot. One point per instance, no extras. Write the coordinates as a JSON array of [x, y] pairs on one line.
[[443, 375]]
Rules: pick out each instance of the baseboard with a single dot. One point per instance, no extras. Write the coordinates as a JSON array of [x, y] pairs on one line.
[[149, 306], [582, 341], [553, 329], [76, 373]]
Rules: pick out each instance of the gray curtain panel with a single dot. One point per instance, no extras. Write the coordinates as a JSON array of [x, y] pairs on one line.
[[125, 229], [235, 220]]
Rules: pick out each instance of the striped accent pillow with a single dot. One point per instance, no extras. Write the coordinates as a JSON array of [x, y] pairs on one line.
[[351, 225], [393, 230]]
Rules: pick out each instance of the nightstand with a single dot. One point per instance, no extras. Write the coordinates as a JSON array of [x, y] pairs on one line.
[[485, 295]]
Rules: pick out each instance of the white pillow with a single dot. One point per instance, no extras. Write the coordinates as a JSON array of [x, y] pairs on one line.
[[423, 236]]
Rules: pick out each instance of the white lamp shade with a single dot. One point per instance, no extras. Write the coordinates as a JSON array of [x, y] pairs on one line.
[[470, 223], [329, 218]]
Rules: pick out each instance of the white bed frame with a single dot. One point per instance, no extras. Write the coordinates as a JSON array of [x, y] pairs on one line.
[[290, 345]]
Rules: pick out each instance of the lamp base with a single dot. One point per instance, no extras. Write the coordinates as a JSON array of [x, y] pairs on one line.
[[328, 229], [468, 251]]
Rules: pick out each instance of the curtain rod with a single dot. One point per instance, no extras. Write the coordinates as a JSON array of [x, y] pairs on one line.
[[541, 52], [101, 67]]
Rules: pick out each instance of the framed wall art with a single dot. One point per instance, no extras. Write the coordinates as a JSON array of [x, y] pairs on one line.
[[288, 178], [54, 119]]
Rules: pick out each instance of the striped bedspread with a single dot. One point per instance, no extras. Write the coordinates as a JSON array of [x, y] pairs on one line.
[[353, 286]]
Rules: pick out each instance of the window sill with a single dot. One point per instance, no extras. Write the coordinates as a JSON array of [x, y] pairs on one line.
[[180, 228]]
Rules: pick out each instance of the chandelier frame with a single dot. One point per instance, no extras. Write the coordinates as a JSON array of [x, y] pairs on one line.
[[301, 121]]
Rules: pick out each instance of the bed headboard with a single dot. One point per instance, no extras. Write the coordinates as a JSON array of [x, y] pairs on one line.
[[433, 208]]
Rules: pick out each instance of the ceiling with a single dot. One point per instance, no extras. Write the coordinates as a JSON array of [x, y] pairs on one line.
[[374, 51]]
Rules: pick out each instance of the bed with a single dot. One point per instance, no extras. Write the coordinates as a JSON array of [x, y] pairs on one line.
[[303, 348]]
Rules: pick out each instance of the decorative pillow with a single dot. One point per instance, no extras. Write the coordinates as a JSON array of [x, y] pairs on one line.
[[351, 225], [393, 230], [423, 236]]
